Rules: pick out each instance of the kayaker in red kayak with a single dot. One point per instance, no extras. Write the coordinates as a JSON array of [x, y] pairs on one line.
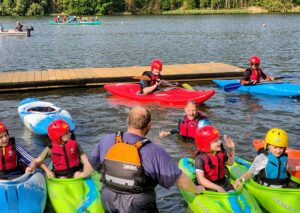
[[189, 123], [253, 74], [270, 167], [156, 79], [66, 154], [14, 158], [211, 159]]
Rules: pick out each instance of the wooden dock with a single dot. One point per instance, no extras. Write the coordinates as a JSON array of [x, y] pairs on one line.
[[30, 80]]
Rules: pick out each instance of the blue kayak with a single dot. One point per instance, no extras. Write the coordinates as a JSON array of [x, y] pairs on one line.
[[277, 89], [25, 194], [37, 115]]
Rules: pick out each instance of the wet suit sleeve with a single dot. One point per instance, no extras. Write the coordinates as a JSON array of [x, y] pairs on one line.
[[145, 83], [176, 130], [199, 163], [247, 75], [23, 155], [263, 75]]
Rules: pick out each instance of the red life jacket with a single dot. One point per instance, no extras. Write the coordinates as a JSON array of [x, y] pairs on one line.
[[255, 75], [8, 156], [214, 165], [154, 78], [65, 158], [187, 128]]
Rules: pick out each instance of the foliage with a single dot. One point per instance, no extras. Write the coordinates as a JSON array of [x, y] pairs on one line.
[[35, 9], [108, 7]]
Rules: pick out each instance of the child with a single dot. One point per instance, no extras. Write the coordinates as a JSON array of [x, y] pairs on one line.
[[211, 159], [65, 153], [149, 86], [13, 157], [270, 166], [252, 75]]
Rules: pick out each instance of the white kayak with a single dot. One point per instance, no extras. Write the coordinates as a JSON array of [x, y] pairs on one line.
[[37, 115]]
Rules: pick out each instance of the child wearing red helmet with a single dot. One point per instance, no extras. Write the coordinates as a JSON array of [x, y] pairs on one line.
[[66, 154], [152, 85], [211, 159], [253, 74], [13, 157]]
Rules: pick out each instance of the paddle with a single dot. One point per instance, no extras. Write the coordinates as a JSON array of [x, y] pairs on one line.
[[235, 86], [166, 83]]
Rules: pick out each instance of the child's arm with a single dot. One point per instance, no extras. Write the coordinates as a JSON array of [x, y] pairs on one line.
[[231, 150], [259, 163], [238, 183], [87, 168], [206, 183]]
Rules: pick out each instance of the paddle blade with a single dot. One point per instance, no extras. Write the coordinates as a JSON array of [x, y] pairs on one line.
[[145, 78], [187, 86], [258, 144], [231, 87]]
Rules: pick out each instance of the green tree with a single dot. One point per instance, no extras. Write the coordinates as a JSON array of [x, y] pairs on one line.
[[35, 9]]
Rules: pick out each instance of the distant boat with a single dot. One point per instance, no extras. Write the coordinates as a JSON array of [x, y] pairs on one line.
[[26, 32], [75, 23]]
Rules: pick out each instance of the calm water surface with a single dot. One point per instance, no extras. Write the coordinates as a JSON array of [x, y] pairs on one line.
[[128, 41]]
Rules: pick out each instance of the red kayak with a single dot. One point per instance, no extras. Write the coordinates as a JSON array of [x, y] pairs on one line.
[[293, 155], [171, 96]]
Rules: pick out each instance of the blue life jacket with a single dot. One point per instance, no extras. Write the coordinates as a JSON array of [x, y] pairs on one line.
[[275, 172], [276, 167]]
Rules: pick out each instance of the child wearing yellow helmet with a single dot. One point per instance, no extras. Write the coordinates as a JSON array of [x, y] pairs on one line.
[[270, 167]]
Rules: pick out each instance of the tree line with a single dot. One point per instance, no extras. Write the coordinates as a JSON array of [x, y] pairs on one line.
[[109, 7]]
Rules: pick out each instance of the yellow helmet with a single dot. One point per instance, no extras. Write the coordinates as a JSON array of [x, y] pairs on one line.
[[276, 137]]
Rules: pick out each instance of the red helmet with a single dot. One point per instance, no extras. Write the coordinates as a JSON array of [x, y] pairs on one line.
[[156, 64], [254, 60], [204, 136], [3, 128], [56, 129]]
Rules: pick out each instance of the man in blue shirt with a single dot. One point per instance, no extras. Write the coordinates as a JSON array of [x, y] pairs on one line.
[[130, 187]]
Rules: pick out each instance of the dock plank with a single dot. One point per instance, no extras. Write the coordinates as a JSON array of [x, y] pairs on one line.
[[80, 77]]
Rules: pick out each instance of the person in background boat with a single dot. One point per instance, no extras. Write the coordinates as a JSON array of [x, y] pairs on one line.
[[132, 166], [14, 158], [253, 74], [189, 123], [19, 26], [66, 154], [1, 28], [56, 19], [211, 159], [152, 85], [65, 19], [270, 167]]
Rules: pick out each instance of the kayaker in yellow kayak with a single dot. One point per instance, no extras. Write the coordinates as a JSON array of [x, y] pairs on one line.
[[189, 123], [154, 76], [253, 74], [66, 154], [211, 158], [270, 167], [14, 158]]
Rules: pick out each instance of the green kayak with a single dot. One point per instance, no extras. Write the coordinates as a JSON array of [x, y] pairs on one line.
[[210, 201], [277, 200], [75, 195], [76, 23]]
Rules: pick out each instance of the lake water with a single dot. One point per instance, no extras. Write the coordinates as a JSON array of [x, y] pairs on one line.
[[129, 41]]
